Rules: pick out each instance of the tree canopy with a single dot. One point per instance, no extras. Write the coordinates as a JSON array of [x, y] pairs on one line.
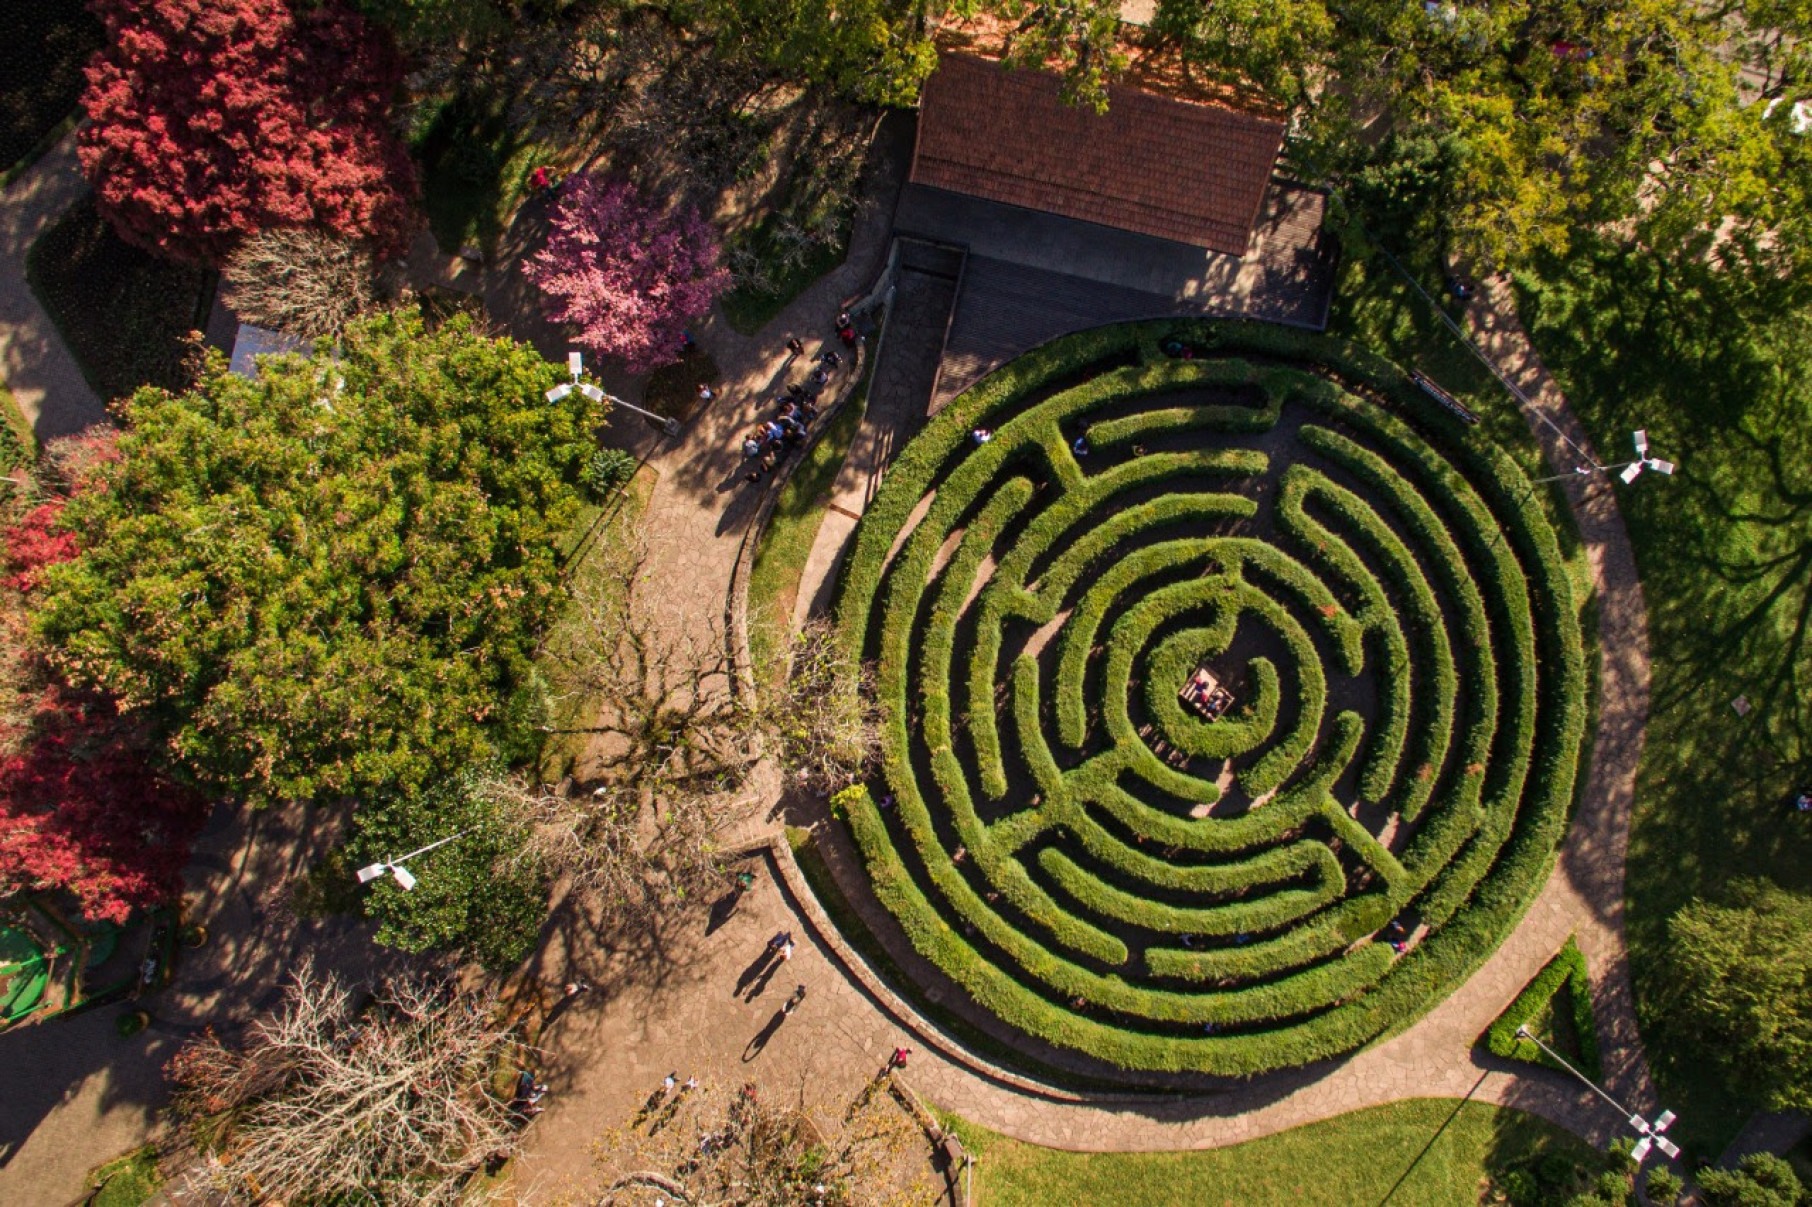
[[1556, 114], [328, 579], [211, 119], [1742, 985], [625, 272]]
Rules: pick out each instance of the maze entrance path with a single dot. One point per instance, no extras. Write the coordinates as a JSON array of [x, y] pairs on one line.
[[1105, 870]]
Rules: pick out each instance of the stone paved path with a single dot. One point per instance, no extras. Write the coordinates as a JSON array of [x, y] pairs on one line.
[[34, 363]]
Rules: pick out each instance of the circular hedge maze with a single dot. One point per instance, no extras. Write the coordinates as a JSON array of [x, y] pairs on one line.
[[1231, 736]]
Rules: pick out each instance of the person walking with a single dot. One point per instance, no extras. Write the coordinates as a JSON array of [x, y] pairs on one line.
[[898, 1059], [705, 392], [792, 1003], [795, 347]]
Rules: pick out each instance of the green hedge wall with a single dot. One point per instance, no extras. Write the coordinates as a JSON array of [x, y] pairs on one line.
[[1107, 871]]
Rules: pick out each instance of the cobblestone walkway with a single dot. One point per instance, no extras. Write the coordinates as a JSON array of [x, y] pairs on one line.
[[35, 365]]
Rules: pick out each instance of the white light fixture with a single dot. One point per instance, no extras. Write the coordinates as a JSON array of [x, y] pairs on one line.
[[404, 878], [1650, 1133], [575, 364], [1644, 461]]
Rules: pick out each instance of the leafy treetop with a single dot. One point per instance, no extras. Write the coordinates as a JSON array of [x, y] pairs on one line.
[[328, 579], [1741, 986], [625, 273], [211, 119], [1556, 113]]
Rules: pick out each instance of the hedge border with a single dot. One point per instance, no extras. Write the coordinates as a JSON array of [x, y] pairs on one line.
[[1565, 974], [1504, 885]]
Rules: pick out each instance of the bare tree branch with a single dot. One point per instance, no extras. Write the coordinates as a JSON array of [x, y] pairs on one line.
[[325, 1100], [300, 281]]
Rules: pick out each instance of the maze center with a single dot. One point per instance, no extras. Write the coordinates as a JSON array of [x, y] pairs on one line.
[[1231, 704]]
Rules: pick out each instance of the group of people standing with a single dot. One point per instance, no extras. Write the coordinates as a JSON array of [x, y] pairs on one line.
[[794, 410]]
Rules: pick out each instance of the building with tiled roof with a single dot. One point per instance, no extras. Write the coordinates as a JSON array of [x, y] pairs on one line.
[[1161, 165]]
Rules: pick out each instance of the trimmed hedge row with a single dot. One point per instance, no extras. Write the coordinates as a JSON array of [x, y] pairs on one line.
[[1019, 542], [1565, 977]]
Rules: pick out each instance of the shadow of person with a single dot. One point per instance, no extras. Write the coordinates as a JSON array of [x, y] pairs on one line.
[[722, 909], [761, 982], [763, 1036], [756, 966]]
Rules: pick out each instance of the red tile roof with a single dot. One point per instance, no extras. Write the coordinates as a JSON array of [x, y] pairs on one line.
[[1179, 170]]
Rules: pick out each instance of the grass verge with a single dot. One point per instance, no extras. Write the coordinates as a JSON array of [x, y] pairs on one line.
[[125, 314], [792, 529], [125, 1181], [18, 446], [1719, 373], [586, 550], [1432, 1151]]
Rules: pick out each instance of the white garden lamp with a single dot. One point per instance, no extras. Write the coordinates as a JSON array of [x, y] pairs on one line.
[[1643, 461], [1650, 1132], [575, 364], [404, 877]]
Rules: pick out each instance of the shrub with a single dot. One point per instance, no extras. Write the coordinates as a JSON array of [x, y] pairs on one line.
[[606, 471]]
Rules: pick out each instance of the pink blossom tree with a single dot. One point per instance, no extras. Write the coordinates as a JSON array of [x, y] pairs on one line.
[[627, 274]]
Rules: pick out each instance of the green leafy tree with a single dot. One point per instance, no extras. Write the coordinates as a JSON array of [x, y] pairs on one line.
[[482, 894], [878, 51], [1078, 38], [1741, 986], [1559, 114], [329, 580], [1759, 1180]]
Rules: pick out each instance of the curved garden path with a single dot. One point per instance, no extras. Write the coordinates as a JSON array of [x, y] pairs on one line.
[[697, 533]]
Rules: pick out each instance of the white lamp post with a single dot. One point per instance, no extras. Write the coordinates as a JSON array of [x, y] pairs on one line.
[[1650, 1132], [395, 868], [575, 364]]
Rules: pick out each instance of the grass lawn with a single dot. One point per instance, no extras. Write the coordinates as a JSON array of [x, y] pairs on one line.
[[1433, 1151], [1725, 552], [41, 58], [126, 1181], [475, 167], [787, 540], [125, 314]]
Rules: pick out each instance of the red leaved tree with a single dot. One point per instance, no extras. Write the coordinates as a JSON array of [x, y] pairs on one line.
[[82, 811], [627, 274], [210, 119]]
